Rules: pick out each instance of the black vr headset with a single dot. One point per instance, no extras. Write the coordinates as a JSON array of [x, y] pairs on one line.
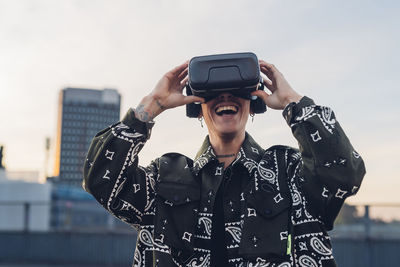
[[237, 73]]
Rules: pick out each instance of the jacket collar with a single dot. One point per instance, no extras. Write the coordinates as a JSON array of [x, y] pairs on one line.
[[250, 152]]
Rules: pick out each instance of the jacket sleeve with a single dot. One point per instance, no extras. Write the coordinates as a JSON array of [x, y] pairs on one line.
[[111, 172], [329, 169]]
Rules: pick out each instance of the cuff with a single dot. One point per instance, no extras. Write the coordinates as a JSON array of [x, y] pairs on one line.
[[139, 126], [294, 109]]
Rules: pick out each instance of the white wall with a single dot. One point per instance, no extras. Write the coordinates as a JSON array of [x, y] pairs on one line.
[[13, 195]]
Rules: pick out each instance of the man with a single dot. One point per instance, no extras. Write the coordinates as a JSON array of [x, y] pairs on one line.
[[236, 204]]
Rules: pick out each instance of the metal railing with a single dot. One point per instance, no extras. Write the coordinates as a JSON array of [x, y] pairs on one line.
[[83, 233], [357, 221], [80, 216], [368, 221]]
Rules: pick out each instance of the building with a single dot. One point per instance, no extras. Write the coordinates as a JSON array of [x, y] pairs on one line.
[[23, 205], [27, 176], [81, 114]]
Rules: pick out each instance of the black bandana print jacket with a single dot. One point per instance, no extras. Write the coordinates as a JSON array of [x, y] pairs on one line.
[[278, 203]]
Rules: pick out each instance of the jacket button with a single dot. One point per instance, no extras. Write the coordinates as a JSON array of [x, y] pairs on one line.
[[268, 212], [176, 198], [255, 239]]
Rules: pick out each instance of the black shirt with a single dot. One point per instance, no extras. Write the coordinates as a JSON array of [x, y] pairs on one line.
[[219, 255]]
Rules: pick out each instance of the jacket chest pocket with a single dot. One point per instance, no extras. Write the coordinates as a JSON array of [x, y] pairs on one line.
[[176, 216], [266, 224]]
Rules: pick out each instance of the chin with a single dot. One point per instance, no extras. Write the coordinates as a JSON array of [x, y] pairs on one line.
[[229, 132]]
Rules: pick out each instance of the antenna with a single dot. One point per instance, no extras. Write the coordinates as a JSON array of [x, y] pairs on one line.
[[1, 157], [46, 160]]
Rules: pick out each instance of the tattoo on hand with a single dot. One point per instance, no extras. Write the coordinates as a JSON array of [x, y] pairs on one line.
[[159, 105], [142, 114]]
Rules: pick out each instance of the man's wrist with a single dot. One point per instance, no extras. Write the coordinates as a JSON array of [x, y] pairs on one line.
[[294, 109], [144, 111], [130, 119], [292, 98], [148, 108], [141, 114]]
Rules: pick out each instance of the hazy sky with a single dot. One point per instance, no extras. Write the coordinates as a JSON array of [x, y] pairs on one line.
[[343, 54]]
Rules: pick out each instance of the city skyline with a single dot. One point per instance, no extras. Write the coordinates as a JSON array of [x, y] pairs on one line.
[[342, 54]]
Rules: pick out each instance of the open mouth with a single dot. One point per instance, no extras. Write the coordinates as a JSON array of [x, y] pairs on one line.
[[228, 110]]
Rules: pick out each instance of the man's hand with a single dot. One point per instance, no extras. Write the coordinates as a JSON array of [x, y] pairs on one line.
[[281, 92], [166, 94]]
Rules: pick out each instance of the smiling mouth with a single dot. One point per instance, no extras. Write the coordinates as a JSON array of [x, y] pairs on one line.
[[228, 110]]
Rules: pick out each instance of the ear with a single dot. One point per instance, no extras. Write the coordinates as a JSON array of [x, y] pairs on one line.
[[258, 106], [193, 110]]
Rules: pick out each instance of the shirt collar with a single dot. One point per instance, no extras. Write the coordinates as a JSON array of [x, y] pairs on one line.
[[249, 155]]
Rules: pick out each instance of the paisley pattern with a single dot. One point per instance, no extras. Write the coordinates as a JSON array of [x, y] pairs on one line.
[[131, 135], [137, 259], [146, 238], [206, 222], [307, 261], [200, 262], [125, 182], [136, 150], [265, 173], [327, 116], [306, 112], [235, 232], [319, 246], [121, 126], [250, 166], [201, 162], [296, 197]]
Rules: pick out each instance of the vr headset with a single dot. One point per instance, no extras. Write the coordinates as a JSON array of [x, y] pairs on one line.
[[237, 73]]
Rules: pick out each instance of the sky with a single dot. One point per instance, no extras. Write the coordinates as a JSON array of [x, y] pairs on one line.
[[343, 54]]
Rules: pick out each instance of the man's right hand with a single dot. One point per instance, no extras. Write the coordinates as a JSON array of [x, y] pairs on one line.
[[166, 94], [281, 92]]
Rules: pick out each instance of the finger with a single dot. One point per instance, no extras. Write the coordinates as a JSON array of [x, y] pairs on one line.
[[268, 83], [270, 75], [184, 81], [178, 69], [183, 74], [261, 94], [266, 64], [182, 84], [263, 64], [192, 99], [267, 72], [265, 69]]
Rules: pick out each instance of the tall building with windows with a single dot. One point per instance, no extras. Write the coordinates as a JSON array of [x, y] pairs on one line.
[[81, 114]]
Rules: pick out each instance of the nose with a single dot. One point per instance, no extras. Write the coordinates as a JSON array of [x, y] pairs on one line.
[[224, 96]]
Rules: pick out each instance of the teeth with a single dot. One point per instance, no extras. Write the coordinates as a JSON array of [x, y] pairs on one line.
[[223, 108]]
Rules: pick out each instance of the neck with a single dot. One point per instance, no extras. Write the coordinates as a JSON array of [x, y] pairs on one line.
[[226, 147]]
